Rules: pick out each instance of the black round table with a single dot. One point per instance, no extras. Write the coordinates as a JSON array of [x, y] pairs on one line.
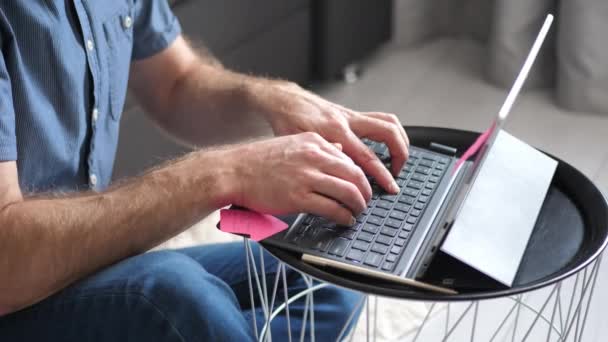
[[569, 237]]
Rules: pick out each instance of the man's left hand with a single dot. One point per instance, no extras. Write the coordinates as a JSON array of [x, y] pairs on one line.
[[291, 110]]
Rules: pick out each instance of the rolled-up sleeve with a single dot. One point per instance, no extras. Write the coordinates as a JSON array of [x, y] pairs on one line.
[[8, 140], [155, 28]]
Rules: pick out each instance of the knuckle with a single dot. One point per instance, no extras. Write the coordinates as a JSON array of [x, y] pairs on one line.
[[312, 136], [337, 125]]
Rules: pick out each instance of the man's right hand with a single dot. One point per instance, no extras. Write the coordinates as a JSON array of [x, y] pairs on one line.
[[297, 173]]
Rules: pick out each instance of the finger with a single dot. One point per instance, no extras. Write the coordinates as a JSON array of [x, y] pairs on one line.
[[322, 206], [350, 172], [368, 161], [341, 191], [391, 118], [385, 132], [336, 150]]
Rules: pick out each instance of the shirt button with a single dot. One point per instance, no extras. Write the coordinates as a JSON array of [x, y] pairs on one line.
[[90, 45], [127, 22], [93, 179], [95, 115]]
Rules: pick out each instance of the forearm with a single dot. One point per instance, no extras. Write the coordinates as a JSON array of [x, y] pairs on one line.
[[211, 105], [46, 244]]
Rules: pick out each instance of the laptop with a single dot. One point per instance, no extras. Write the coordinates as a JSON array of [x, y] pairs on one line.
[[397, 236]]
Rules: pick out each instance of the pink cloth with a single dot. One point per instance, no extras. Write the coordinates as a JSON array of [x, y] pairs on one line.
[[254, 225], [476, 145]]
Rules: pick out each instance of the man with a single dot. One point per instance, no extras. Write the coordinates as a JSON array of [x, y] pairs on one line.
[[71, 262]]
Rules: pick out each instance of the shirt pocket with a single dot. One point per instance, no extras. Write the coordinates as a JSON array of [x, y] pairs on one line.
[[118, 31]]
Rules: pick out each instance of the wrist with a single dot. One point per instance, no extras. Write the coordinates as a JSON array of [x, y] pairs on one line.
[[267, 97], [222, 177]]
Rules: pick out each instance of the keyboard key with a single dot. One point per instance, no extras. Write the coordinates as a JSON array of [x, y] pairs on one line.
[[433, 179], [411, 192], [398, 215], [429, 156], [443, 160], [396, 250], [430, 186], [412, 219], [383, 239], [418, 177], [419, 206], [373, 259], [338, 247], [391, 198], [361, 245], [309, 219], [393, 223], [378, 248], [402, 207], [349, 234], [361, 218], [407, 200], [355, 255], [423, 199], [437, 173], [379, 148], [403, 174], [380, 212], [415, 212], [384, 204], [367, 237], [391, 258], [400, 242], [408, 227], [427, 192], [370, 228], [401, 182], [389, 231], [415, 185], [404, 234], [440, 167], [322, 245], [374, 220], [427, 163], [388, 266], [423, 170]]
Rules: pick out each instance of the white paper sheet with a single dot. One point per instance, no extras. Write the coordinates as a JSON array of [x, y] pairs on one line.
[[494, 225]]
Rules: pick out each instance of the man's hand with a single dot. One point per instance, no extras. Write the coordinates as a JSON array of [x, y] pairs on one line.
[[297, 173], [291, 109]]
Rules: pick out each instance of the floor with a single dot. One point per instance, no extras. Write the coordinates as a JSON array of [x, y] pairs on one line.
[[441, 84]]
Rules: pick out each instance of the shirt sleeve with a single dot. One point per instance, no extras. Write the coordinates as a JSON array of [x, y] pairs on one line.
[[8, 140], [155, 28]]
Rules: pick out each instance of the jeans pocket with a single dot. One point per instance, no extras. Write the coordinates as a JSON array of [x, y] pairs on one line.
[[118, 30]]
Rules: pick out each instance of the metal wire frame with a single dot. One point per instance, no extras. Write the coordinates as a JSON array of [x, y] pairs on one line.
[[562, 323]]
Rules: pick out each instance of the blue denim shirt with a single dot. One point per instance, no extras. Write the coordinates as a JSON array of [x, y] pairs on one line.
[[63, 78]]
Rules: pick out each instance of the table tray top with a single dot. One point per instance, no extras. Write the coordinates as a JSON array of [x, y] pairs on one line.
[[570, 233]]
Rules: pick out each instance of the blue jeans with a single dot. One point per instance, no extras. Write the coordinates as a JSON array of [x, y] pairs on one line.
[[194, 294]]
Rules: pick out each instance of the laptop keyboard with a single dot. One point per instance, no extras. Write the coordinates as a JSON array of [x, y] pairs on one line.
[[383, 231]]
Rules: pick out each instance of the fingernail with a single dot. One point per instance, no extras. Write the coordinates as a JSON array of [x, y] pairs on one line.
[[353, 220], [395, 187]]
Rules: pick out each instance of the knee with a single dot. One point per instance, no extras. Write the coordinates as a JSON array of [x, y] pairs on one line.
[[195, 302]]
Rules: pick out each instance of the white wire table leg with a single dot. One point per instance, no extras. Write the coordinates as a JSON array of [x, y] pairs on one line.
[[251, 294], [423, 324], [352, 315], [598, 261], [519, 300], [367, 319], [474, 321]]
